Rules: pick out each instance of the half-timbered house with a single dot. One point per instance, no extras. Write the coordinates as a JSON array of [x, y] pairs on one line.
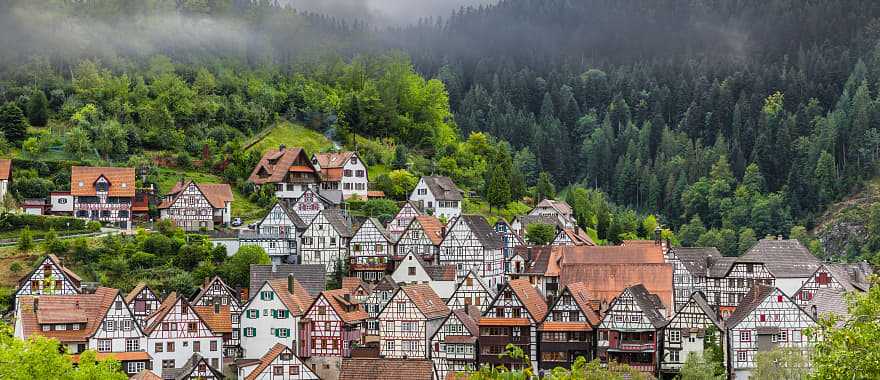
[[220, 305], [49, 278], [99, 321], [521, 223], [569, 329], [279, 363], [471, 291], [629, 329], [142, 301], [312, 277], [273, 315], [510, 239], [453, 347], [766, 318], [730, 278], [309, 204], [288, 170], [413, 270], [687, 332], [438, 196], [539, 265], [471, 243], [197, 206], [402, 219], [277, 233], [512, 318], [558, 209], [379, 295], [103, 194], [370, 251], [342, 171], [408, 321], [176, 332], [422, 236], [790, 263], [197, 367], [572, 236], [690, 271], [325, 240], [842, 277], [332, 325]]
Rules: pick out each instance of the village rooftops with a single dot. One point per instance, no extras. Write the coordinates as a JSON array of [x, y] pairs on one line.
[[385, 369], [426, 300], [526, 220], [606, 281], [292, 294], [217, 194], [561, 207], [432, 226], [696, 259], [185, 372], [83, 178], [443, 188], [617, 254], [650, 305], [750, 303], [313, 277], [530, 298], [343, 303], [784, 258], [87, 310], [488, 237], [276, 163]]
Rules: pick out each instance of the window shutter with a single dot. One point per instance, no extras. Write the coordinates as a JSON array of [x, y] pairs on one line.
[[274, 313]]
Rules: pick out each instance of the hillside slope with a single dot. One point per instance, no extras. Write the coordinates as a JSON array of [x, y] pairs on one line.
[[842, 229]]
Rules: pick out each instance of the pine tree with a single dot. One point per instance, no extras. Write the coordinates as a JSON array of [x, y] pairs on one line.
[[38, 109], [544, 189], [12, 123]]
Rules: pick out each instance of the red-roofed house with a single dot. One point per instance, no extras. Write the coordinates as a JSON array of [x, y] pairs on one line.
[[49, 278], [512, 318], [278, 363], [176, 332], [103, 194], [273, 315], [198, 206], [343, 171], [408, 321], [289, 170]]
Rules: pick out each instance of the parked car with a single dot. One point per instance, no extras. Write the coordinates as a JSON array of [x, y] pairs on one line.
[[236, 222]]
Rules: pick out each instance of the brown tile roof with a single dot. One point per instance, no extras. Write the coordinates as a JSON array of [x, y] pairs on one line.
[[581, 296], [565, 326], [275, 164], [432, 227], [443, 188], [618, 254], [579, 236], [543, 260], [67, 271], [504, 321], [89, 309], [156, 318], [137, 289], [560, 206], [347, 309], [351, 283], [749, 303], [459, 339], [298, 302], [469, 317], [82, 180], [145, 375], [267, 360], [530, 298], [217, 194], [426, 300], [333, 159], [119, 356], [440, 272], [385, 369], [5, 169], [218, 322], [606, 281]]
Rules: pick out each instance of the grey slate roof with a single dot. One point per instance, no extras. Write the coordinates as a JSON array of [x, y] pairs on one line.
[[483, 231], [338, 221], [297, 221], [829, 301], [852, 276], [696, 259], [311, 276], [187, 369], [784, 258], [699, 299], [718, 267], [749, 303], [526, 220], [649, 303], [443, 188]]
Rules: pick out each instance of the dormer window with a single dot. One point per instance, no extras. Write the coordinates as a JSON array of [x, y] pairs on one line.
[[102, 187]]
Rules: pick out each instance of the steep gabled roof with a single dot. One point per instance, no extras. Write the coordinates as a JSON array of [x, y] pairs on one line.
[[482, 231], [432, 227], [145, 374], [160, 312], [217, 194], [542, 260], [426, 300], [829, 301], [313, 277], [219, 321], [469, 317], [191, 365], [699, 299], [351, 283], [607, 281], [333, 159], [83, 178], [141, 286], [748, 304], [203, 290], [338, 221], [560, 206], [297, 301], [850, 278], [57, 262], [526, 220], [649, 304], [582, 297], [578, 236], [277, 163], [385, 369], [696, 259], [87, 309], [443, 188], [530, 298], [783, 258], [270, 356], [347, 309]]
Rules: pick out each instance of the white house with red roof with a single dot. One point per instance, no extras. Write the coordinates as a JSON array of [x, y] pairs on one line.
[[176, 331], [198, 206], [273, 316], [278, 363], [344, 171]]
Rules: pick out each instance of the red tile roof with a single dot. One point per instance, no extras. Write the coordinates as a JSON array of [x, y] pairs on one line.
[[219, 322], [606, 281], [119, 356], [82, 180], [426, 300], [432, 227], [385, 369], [217, 194], [275, 165], [298, 301], [145, 375], [267, 360], [617, 254], [333, 159], [347, 309], [530, 298], [581, 296], [88, 309]]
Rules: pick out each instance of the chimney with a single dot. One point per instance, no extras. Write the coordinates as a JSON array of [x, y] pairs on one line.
[[815, 312], [281, 147], [76, 304], [347, 297], [657, 237], [290, 283], [36, 304]]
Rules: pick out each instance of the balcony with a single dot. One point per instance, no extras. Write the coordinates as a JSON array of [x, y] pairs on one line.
[[254, 235], [632, 346]]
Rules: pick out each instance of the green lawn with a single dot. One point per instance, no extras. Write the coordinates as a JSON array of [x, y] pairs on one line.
[[376, 170], [241, 206], [293, 135]]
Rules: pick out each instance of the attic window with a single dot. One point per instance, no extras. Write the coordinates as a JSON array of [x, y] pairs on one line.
[[124, 185], [81, 184]]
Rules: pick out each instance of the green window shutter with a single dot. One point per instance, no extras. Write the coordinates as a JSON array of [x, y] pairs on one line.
[[274, 313]]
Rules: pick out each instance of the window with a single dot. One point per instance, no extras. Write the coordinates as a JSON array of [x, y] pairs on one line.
[[197, 346], [742, 356], [158, 347], [674, 356], [250, 331], [401, 307], [133, 345], [105, 345], [192, 327], [267, 295], [293, 370], [135, 367], [168, 363], [745, 336], [213, 345], [126, 325], [169, 347], [782, 336], [110, 325], [411, 271], [675, 336], [389, 345], [253, 314], [282, 333], [277, 370]]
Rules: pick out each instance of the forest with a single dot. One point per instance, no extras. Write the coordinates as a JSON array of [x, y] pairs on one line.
[[725, 121]]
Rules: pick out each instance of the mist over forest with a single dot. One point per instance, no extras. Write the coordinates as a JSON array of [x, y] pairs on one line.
[[726, 119]]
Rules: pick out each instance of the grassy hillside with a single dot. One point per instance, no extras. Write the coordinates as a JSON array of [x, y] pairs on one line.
[[292, 135]]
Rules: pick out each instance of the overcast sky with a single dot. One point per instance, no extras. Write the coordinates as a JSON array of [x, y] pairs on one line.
[[384, 11]]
